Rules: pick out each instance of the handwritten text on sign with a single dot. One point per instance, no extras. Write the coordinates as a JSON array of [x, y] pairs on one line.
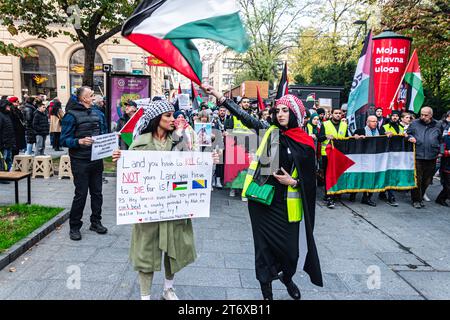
[[163, 185]]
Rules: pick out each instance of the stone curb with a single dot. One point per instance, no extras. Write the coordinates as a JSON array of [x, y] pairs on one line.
[[23, 245]]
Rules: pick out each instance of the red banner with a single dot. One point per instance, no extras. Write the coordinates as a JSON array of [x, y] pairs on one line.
[[390, 57], [155, 62]]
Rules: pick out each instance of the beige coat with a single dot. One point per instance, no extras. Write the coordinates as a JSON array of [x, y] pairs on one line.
[[150, 240], [55, 122]]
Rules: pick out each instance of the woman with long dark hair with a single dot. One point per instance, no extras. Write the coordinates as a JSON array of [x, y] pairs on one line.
[[283, 228], [170, 241]]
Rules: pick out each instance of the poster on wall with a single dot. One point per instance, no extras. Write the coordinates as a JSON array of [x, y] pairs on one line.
[[124, 88]]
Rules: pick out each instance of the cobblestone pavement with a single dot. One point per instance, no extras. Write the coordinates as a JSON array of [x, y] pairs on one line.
[[406, 249]]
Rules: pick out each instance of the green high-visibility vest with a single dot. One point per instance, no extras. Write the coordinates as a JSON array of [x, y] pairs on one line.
[[331, 129], [309, 128], [389, 128], [293, 200], [239, 128]]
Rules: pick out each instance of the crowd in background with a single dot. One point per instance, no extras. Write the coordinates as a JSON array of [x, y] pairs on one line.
[[25, 126]]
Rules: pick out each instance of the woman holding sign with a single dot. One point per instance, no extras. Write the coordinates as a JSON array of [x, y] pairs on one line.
[[171, 241], [280, 186]]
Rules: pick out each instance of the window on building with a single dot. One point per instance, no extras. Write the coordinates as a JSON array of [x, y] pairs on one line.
[[227, 79], [76, 68], [38, 74], [231, 64]]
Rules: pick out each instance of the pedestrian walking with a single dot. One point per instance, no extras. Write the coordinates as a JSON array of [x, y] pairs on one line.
[[283, 226]]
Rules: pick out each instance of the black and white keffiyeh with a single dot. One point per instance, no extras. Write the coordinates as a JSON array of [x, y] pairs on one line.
[[153, 110]]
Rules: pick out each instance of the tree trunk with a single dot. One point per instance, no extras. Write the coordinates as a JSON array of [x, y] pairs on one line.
[[89, 64]]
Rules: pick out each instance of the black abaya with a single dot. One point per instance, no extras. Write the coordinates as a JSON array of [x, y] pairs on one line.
[[275, 238]]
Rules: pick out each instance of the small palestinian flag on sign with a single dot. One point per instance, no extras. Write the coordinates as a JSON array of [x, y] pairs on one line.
[[179, 186], [199, 184]]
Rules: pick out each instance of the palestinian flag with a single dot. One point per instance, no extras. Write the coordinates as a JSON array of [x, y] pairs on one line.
[[358, 99], [177, 104], [414, 79], [372, 164], [126, 134], [196, 100], [165, 28], [179, 186], [283, 86], [261, 105], [311, 97]]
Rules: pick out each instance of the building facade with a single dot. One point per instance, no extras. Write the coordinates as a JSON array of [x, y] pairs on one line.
[[59, 67]]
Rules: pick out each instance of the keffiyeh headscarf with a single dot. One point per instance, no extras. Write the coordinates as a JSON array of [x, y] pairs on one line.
[[295, 104], [153, 110]]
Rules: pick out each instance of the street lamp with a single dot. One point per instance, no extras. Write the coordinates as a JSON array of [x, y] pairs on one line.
[[362, 22]]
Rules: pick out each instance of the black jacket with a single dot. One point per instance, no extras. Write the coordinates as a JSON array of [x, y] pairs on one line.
[[28, 115], [19, 128], [41, 126], [7, 136]]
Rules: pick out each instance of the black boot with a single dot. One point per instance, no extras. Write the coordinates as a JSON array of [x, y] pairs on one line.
[[266, 289], [292, 288]]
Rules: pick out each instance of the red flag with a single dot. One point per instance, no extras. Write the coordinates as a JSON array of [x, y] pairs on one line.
[[338, 163], [179, 89], [261, 105]]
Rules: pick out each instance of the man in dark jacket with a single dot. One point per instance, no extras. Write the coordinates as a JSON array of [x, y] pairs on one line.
[[426, 133], [79, 125], [7, 136], [41, 128], [28, 115]]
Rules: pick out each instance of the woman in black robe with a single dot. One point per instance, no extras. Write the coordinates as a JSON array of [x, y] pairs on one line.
[[278, 241]]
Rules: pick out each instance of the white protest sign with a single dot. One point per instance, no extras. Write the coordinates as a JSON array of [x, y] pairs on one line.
[[104, 145], [183, 101], [143, 102], [163, 185]]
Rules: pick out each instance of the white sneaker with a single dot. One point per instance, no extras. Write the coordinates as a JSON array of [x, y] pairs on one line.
[[425, 197], [145, 297], [244, 199], [232, 193], [169, 294], [218, 183]]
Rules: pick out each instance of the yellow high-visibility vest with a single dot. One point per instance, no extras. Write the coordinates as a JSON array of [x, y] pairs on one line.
[[239, 128], [389, 128], [293, 200], [329, 128]]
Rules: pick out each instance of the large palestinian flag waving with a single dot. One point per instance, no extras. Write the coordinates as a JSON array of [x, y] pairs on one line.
[[372, 164], [165, 29]]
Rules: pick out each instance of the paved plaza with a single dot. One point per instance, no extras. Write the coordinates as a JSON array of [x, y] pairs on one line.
[[366, 253]]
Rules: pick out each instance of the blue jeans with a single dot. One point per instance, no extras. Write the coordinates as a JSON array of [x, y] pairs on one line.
[[7, 155], [29, 149]]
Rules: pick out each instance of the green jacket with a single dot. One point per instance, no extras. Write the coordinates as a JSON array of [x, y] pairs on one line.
[[150, 240]]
